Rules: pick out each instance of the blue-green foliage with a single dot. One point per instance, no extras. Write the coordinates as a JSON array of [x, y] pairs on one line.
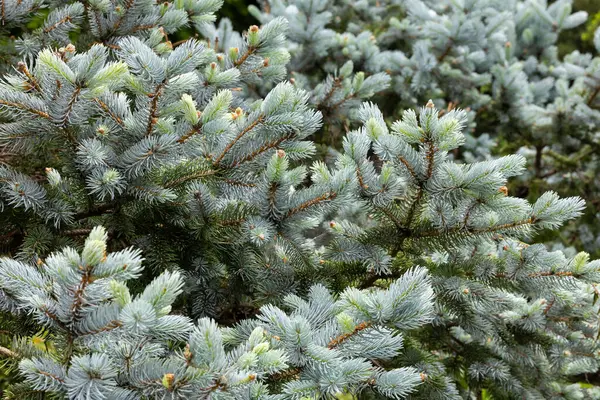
[[299, 242], [129, 346]]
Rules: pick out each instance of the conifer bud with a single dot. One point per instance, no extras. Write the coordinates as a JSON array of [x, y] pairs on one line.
[[187, 354], [120, 293], [70, 48], [507, 50], [261, 236], [95, 247], [261, 348], [280, 153], [332, 224], [359, 79], [253, 36], [466, 291], [38, 342], [430, 104], [53, 176], [266, 62], [503, 190], [423, 376], [168, 380], [345, 70]]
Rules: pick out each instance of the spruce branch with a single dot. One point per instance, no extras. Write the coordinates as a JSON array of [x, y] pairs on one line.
[[128, 5], [72, 100], [430, 154], [94, 211], [337, 83], [329, 196], [22, 67], [153, 117], [8, 353], [25, 108], [108, 111], [335, 342], [78, 232], [240, 135], [194, 131], [65, 20], [409, 167], [187, 178], [447, 50], [115, 324], [491, 229], [262, 149], [234, 182]]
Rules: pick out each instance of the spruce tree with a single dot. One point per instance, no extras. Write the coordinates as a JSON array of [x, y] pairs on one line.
[[298, 242], [499, 60]]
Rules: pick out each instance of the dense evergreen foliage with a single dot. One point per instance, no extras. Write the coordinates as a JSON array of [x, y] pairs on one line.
[[346, 200]]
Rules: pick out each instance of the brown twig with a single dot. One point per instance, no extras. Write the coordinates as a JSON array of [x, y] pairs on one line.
[[310, 203], [195, 130], [262, 149], [8, 353], [342, 338], [253, 125], [152, 118], [106, 109], [24, 107], [56, 25], [186, 178]]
